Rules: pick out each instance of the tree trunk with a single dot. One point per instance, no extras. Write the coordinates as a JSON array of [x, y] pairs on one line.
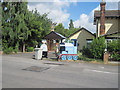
[[23, 46]]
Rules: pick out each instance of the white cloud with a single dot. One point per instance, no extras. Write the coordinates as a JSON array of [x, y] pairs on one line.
[[60, 15], [87, 20], [83, 21], [55, 10]]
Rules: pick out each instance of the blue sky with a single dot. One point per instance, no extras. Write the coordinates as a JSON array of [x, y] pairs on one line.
[[81, 7], [82, 13]]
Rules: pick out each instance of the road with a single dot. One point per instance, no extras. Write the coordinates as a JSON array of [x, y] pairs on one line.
[[53, 74]]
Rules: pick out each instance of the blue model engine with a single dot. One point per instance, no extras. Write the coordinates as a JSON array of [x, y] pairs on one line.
[[68, 51]]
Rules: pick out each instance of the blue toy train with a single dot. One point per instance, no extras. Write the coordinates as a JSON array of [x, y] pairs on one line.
[[68, 51]]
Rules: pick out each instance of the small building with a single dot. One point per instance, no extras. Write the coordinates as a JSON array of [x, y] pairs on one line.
[[83, 36], [107, 22], [52, 39]]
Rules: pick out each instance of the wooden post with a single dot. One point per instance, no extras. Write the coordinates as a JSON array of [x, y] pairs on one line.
[[106, 57]]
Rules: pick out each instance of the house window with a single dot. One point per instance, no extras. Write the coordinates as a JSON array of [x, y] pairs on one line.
[[88, 43]]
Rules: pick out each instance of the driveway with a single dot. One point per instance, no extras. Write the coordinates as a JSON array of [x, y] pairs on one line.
[[21, 71]]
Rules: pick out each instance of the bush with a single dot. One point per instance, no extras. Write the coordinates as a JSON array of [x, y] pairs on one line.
[[114, 46], [116, 56], [84, 58], [8, 50], [86, 52], [16, 48], [114, 49], [30, 49], [97, 47]]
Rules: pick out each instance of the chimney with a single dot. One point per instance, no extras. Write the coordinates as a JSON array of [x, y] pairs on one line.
[[52, 27], [102, 17]]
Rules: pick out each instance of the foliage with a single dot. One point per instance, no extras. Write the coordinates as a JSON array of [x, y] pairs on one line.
[[72, 30], [13, 23], [85, 58], [86, 52], [39, 25], [8, 50], [30, 49], [71, 24], [60, 29], [21, 27], [114, 48], [116, 56], [97, 47], [16, 49]]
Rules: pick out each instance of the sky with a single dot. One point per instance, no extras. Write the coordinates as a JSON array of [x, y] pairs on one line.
[[82, 13]]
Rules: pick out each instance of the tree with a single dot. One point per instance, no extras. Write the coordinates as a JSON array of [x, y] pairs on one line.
[[46, 24], [71, 24], [59, 28], [14, 27], [35, 27], [39, 25], [21, 27]]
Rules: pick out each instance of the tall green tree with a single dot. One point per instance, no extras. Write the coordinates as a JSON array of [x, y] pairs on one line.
[[22, 27], [35, 27], [60, 29], [14, 27], [39, 25], [71, 25]]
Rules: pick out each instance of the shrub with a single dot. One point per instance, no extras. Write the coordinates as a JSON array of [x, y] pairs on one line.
[[114, 46], [116, 56], [8, 50], [86, 52], [16, 48], [97, 47], [30, 49], [114, 49], [84, 58]]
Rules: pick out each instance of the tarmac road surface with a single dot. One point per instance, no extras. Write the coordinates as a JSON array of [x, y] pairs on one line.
[[21, 71]]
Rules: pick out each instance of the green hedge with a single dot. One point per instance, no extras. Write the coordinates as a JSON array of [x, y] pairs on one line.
[[96, 49], [98, 46], [114, 49], [86, 52], [30, 49], [8, 50], [85, 58]]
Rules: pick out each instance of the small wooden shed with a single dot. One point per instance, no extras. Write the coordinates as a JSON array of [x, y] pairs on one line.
[[51, 39]]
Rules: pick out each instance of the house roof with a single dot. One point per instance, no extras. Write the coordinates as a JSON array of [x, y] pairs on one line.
[[109, 34], [80, 30], [108, 14], [54, 35]]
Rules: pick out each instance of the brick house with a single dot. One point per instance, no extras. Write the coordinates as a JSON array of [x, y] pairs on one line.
[[107, 22]]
